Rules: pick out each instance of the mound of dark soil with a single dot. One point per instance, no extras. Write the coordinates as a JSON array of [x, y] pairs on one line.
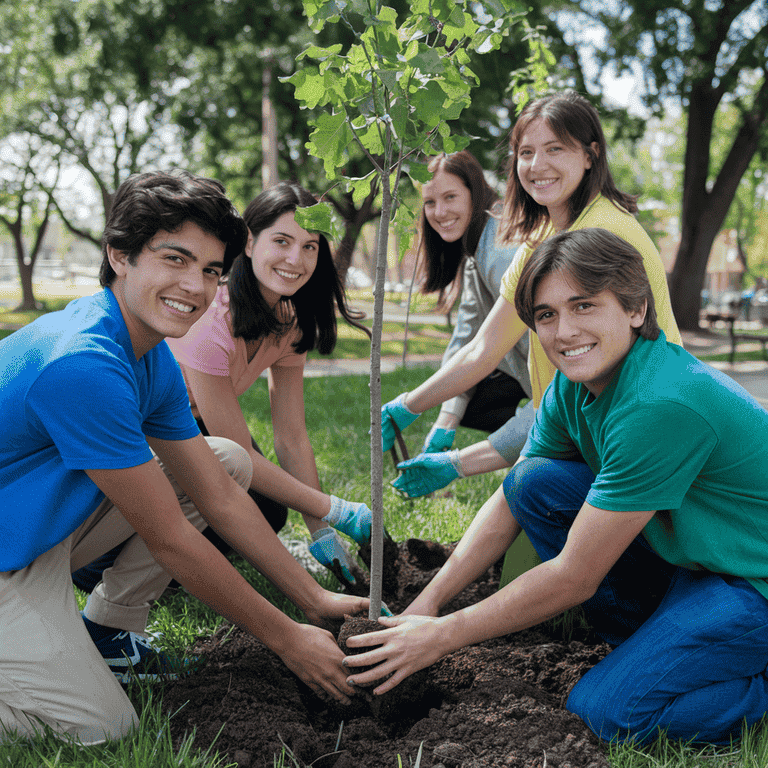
[[496, 704]]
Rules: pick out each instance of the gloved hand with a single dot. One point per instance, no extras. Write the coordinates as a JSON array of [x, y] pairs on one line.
[[395, 411], [439, 439], [327, 547], [351, 518], [428, 472]]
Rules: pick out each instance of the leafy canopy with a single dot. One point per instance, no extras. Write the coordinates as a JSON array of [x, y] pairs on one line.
[[394, 90]]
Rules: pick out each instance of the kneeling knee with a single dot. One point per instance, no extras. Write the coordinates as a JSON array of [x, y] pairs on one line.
[[604, 714], [234, 457], [522, 482]]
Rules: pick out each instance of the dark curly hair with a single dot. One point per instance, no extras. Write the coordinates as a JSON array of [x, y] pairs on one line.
[[147, 203], [312, 307]]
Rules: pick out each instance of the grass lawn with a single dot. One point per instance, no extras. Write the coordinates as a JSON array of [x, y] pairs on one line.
[[339, 435]]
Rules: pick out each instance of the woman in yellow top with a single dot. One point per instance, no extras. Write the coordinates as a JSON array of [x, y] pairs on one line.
[[558, 179]]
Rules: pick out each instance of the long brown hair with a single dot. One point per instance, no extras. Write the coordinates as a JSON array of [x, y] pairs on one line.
[[440, 262], [575, 122]]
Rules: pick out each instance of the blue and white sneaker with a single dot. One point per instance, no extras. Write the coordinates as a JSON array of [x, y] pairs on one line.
[[131, 656]]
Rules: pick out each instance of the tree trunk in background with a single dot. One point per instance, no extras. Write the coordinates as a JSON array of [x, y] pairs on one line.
[[354, 220], [704, 210], [269, 130]]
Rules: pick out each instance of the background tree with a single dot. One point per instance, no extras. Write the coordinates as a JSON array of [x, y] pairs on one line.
[[701, 55], [127, 86], [28, 182], [77, 98], [218, 104]]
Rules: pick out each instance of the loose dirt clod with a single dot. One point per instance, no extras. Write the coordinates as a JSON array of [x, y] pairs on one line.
[[493, 705]]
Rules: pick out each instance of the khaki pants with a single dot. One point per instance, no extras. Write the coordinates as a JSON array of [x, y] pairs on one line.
[[50, 670]]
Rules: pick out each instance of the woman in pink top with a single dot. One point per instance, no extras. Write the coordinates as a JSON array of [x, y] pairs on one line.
[[278, 301]]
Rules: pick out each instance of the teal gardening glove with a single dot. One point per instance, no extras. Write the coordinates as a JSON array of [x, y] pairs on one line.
[[438, 440], [428, 472], [397, 413], [350, 518], [326, 547]]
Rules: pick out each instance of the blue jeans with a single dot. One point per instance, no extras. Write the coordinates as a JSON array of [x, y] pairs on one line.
[[690, 647]]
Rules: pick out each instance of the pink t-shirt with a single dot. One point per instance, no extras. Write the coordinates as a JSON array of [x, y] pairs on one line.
[[209, 347]]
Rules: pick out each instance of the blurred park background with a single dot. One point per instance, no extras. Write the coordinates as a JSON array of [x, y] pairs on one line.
[[95, 90]]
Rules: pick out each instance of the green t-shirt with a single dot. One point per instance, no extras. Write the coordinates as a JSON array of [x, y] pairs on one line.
[[672, 434]]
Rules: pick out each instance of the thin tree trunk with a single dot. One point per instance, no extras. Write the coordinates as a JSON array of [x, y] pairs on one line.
[[377, 456]]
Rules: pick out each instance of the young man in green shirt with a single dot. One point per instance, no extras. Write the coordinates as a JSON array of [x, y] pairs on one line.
[[644, 489]]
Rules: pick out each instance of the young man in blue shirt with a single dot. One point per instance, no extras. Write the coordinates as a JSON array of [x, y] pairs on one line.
[[644, 490], [99, 446]]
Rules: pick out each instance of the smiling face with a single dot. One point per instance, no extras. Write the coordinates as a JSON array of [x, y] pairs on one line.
[[551, 170], [283, 257], [447, 205], [585, 337], [169, 286]]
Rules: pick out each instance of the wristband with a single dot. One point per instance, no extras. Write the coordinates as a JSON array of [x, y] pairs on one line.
[[455, 460]]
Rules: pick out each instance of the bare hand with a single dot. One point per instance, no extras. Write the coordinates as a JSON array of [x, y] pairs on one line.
[[315, 658], [409, 644], [421, 606], [333, 605]]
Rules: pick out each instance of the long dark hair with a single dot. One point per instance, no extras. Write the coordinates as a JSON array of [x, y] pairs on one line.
[[311, 308], [441, 262], [575, 122]]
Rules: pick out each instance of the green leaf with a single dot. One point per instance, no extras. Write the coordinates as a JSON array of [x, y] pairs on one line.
[[370, 133], [404, 224], [459, 26], [330, 140], [320, 11], [419, 173], [318, 218], [309, 87], [427, 102], [398, 113], [361, 187], [388, 78], [454, 143], [319, 54], [380, 36], [426, 60]]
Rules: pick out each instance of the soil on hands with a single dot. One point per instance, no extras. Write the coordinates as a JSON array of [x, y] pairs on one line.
[[500, 703]]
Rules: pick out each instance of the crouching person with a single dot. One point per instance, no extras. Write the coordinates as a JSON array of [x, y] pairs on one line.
[[99, 447], [645, 492]]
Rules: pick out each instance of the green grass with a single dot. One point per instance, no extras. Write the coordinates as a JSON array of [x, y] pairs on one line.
[[12, 317], [423, 339]]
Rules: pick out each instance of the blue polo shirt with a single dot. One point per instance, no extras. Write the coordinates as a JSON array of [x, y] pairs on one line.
[[74, 397]]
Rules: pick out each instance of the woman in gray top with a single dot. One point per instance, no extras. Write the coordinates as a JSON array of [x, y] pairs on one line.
[[459, 239]]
